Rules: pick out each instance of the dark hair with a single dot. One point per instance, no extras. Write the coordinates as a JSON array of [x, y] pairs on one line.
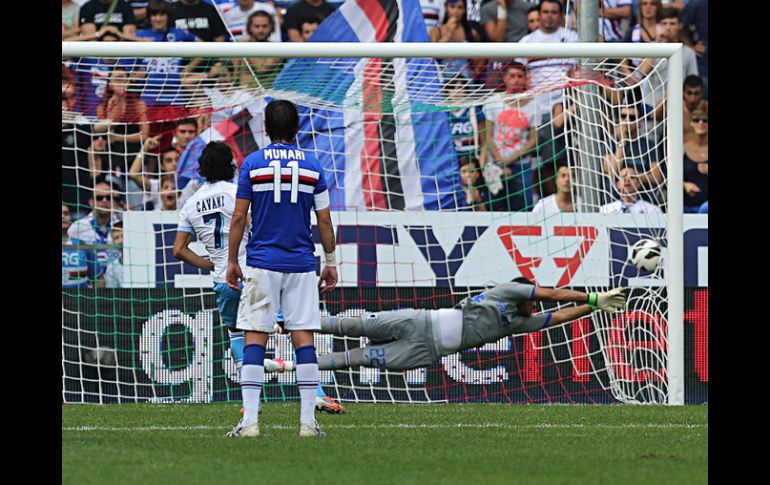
[[260, 13], [281, 120], [533, 8], [216, 162], [557, 2], [561, 162], [670, 13], [187, 121], [693, 81], [522, 280], [515, 65], [116, 188], [158, 6], [310, 19]]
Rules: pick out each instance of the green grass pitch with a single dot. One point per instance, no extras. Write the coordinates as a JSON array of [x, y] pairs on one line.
[[184, 444]]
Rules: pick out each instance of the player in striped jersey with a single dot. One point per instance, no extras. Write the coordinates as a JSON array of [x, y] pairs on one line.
[[281, 184], [207, 214]]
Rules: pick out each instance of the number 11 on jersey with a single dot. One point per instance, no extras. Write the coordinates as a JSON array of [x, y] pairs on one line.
[[294, 166]]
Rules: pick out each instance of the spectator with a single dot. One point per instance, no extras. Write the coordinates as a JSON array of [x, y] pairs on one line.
[[236, 19], [533, 19], [455, 28], [511, 136], [433, 13], [123, 107], [696, 164], [309, 26], [613, 12], [692, 93], [260, 29], [92, 74], [93, 16], [70, 19], [695, 18], [147, 175], [561, 201], [653, 88], [199, 18], [628, 184], [473, 15], [113, 271], [633, 150], [505, 20], [474, 188], [302, 9], [66, 222], [95, 228], [468, 125], [186, 131], [139, 7], [162, 86], [646, 29], [168, 193], [74, 271], [548, 72]]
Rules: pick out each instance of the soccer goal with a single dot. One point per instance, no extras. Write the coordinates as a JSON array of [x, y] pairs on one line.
[[434, 172]]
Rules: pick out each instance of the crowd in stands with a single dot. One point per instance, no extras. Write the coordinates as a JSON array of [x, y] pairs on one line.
[[511, 151]]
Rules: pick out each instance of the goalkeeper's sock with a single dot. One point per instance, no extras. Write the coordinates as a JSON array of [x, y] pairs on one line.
[[307, 381], [320, 391], [236, 347], [252, 378]]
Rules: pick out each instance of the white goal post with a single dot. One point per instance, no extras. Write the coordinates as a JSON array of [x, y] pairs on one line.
[[674, 260]]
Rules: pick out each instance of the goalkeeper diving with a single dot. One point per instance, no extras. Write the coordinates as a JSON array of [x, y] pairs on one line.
[[408, 339]]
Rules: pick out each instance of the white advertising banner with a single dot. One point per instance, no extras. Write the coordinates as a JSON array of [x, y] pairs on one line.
[[426, 249]]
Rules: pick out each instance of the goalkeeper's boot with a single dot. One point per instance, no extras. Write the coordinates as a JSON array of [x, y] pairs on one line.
[[306, 430], [329, 405], [241, 431]]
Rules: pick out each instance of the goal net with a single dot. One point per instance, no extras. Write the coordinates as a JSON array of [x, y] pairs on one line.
[[443, 182]]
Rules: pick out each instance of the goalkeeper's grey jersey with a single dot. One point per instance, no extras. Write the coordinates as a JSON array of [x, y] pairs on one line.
[[492, 315]]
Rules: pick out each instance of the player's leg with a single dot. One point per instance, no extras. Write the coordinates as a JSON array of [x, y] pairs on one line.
[[378, 327], [396, 355], [299, 302], [227, 303], [256, 316]]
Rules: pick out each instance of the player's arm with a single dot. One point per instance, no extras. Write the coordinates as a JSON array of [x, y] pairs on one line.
[[237, 226], [328, 279], [568, 314], [183, 252], [613, 300]]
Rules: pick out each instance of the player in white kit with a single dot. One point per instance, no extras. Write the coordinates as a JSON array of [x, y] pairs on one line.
[[282, 185], [207, 214]]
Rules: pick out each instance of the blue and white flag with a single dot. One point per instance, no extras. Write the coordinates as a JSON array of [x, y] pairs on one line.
[[381, 149]]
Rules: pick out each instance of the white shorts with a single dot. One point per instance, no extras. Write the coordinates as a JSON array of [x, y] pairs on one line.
[[264, 291]]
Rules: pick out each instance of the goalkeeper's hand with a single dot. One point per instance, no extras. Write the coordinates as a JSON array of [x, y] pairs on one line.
[[612, 301]]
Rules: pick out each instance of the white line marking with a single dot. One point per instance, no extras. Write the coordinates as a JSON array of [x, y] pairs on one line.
[[404, 426]]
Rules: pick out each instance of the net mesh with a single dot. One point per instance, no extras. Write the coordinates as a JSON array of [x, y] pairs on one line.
[[443, 183]]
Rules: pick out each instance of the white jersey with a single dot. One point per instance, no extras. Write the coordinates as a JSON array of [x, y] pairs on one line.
[[547, 205], [433, 12], [208, 213], [637, 207]]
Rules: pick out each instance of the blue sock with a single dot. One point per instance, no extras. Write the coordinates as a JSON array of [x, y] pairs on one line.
[[252, 378]]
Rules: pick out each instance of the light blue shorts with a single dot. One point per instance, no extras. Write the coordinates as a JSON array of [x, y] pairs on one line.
[[227, 303]]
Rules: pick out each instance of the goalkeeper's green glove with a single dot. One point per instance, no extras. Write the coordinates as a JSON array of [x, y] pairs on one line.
[[612, 301]]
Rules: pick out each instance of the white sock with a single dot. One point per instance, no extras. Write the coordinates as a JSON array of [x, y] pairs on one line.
[[307, 380], [252, 378]]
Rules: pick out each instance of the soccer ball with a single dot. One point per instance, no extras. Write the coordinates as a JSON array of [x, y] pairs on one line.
[[645, 254]]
